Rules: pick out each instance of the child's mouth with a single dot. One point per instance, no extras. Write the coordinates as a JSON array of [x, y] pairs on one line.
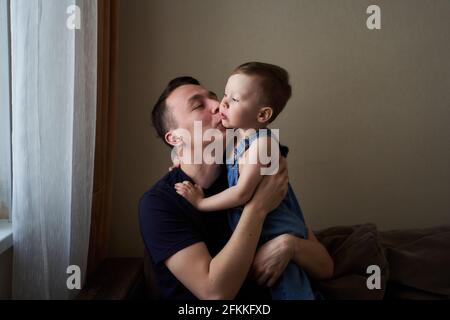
[[223, 116]]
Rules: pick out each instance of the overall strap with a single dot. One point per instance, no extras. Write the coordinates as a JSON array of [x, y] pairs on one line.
[[245, 143]]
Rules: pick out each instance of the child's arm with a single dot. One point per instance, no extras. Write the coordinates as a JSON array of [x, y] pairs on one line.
[[237, 195]]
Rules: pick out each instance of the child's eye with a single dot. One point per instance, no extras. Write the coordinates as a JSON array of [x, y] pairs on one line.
[[235, 100], [199, 106]]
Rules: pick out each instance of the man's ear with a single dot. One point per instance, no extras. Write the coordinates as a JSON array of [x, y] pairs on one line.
[[264, 114], [172, 138]]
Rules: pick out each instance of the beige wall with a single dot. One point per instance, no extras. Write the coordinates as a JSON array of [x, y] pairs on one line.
[[368, 124]]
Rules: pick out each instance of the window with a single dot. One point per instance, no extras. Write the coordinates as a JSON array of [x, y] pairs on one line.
[[5, 113]]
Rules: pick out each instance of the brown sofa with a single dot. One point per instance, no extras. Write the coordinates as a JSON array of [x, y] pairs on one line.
[[414, 264]]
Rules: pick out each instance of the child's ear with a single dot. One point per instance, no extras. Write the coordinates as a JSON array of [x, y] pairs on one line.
[[265, 114]]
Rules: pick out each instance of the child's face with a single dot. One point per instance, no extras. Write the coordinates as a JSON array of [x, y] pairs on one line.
[[240, 105]]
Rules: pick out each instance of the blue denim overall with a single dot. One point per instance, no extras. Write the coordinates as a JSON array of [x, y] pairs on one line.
[[293, 284]]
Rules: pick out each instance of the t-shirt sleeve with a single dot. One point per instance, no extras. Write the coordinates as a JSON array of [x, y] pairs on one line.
[[164, 228]]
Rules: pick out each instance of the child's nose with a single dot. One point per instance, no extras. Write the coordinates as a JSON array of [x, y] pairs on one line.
[[224, 103]]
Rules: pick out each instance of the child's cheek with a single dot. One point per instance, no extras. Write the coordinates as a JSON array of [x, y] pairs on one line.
[[234, 115]]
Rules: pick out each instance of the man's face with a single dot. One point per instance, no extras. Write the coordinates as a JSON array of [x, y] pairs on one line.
[[190, 103]]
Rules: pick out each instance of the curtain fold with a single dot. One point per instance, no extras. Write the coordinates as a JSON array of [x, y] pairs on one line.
[[53, 120], [107, 49]]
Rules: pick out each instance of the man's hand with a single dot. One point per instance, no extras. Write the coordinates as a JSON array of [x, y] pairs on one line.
[[270, 260], [271, 190], [192, 193]]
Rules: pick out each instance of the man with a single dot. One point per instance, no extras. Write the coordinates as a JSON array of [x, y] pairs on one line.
[[195, 255]]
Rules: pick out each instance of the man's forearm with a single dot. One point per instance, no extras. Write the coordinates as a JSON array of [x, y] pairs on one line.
[[312, 256], [229, 268]]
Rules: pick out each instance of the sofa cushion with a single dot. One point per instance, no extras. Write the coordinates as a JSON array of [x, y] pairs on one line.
[[419, 262], [353, 249]]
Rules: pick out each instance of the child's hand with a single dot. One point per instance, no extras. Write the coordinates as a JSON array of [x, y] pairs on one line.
[[192, 193]]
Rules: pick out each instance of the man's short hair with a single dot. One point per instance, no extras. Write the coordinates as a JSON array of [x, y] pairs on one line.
[[275, 86], [162, 118]]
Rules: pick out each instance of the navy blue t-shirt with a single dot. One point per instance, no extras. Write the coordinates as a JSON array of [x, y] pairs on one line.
[[169, 223]]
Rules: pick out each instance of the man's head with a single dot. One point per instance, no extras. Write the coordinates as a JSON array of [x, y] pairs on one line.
[[255, 95], [183, 102]]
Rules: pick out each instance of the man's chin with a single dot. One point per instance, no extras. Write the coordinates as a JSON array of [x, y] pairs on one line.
[[221, 127]]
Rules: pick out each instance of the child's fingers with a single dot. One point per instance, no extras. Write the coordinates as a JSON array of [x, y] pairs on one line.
[[182, 191], [187, 183], [183, 185], [181, 188]]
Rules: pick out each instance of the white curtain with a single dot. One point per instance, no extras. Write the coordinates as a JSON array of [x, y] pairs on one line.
[[54, 86]]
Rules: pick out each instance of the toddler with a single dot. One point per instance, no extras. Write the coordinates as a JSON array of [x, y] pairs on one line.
[[255, 94]]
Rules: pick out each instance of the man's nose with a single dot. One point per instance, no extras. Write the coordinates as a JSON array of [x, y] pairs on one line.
[[214, 106]]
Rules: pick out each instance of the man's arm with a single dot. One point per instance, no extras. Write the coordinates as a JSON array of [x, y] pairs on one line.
[[272, 258], [312, 256], [222, 276]]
